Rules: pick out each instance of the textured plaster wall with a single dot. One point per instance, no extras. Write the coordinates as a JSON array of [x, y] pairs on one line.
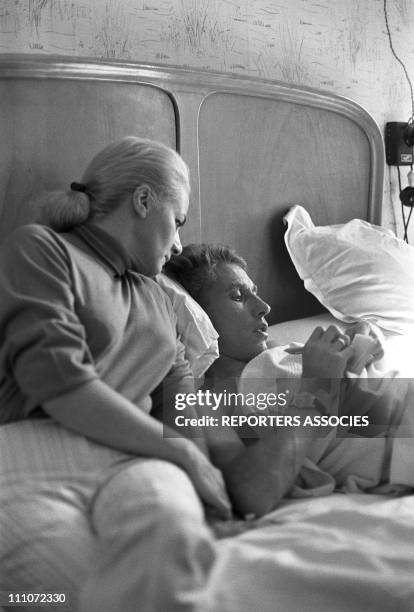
[[337, 45]]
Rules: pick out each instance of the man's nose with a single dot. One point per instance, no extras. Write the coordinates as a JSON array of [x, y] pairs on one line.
[[261, 308]]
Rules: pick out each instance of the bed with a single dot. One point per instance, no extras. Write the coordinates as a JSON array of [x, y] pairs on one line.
[[255, 148]]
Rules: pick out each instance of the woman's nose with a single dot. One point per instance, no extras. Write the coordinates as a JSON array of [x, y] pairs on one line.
[[177, 247]]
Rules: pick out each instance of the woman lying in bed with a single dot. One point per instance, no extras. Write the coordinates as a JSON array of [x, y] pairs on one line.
[[297, 460]]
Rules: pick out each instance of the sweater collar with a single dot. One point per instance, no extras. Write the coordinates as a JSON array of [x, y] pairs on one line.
[[108, 248]]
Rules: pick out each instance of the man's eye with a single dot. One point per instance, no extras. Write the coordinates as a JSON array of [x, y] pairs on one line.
[[237, 297]]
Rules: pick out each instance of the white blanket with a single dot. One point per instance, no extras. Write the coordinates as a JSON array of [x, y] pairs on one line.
[[352, 553], [342, 553], [351, 464]]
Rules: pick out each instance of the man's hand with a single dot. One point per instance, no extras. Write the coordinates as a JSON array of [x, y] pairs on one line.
[[326, 354], [366, 329]]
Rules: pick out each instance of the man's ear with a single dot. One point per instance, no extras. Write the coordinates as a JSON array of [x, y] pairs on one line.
[[142, 200]]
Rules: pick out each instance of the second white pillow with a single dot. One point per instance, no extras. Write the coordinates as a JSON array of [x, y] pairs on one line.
[[356, 270]]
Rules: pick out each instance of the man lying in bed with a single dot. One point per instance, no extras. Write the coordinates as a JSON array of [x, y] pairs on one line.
[[298, 460]]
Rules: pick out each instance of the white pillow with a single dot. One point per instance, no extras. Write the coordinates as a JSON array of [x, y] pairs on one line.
[[194, 327], [356, 270]]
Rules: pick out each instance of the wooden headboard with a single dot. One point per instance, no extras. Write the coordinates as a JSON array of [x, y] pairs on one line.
[[254, 148]]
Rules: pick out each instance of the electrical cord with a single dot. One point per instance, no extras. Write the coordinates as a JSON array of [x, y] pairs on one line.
[[406, 226], [406, 221]]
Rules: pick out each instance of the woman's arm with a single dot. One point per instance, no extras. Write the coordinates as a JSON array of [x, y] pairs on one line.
[[98, 412], [101, 414]]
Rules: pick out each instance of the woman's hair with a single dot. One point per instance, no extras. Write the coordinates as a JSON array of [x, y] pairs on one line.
[[112, 175], [195, 268]]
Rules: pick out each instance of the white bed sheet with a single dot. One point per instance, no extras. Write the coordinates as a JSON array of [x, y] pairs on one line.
[[341, 553], [352, 553]]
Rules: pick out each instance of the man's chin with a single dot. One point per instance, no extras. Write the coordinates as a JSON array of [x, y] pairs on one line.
[[263, 346], [259, 348]]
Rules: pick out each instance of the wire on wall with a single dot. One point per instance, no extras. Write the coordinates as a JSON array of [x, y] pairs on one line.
[[410, 123], [407, 76], [406, 221]]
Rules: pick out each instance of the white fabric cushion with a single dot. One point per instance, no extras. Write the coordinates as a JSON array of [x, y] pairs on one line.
[[356, 270], [194, 327]]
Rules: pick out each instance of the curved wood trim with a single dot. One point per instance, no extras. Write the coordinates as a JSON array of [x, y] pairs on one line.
[[176, 82]]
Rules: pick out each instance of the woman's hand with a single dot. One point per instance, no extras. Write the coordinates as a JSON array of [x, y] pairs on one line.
[[326, 354], [208, 481], [101, 414]]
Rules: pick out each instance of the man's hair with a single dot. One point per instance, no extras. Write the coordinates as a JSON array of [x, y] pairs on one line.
[[195, 268]]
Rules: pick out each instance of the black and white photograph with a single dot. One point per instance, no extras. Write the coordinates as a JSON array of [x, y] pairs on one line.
[[206, 305]]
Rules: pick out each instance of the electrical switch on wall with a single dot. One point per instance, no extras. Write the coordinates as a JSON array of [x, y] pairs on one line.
[[399, 151]]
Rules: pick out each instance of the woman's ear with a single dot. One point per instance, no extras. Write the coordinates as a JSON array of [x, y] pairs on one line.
[[142, 200]]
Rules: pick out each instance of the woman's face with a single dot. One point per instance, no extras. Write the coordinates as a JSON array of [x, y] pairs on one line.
[[237, 313], [159, 236]]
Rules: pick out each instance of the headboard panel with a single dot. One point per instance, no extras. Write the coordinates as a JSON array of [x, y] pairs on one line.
[[254, 148], [51, 128], [273, 154]]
